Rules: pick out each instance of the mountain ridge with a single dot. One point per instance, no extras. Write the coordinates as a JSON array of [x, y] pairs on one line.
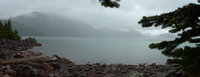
[[40, 24]]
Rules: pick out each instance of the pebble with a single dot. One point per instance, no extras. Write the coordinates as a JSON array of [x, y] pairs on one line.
[[10, 72], [6, 76]]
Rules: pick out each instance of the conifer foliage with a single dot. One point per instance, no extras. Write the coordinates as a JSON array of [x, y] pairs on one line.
[[185, 22], [110, 3], [6, 31]]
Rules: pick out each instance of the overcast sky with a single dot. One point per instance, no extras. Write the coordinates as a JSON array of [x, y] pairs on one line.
[[92, 13]]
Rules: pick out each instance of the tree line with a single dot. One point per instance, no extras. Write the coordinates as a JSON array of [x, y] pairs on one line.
[[6, 31]]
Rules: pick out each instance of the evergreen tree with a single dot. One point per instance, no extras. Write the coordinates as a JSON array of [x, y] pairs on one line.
[[7, 32], [186, 22], [1, 32], [110, 3]]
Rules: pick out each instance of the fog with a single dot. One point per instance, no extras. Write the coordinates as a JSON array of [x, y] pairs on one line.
[[83, 31], [90, 13]]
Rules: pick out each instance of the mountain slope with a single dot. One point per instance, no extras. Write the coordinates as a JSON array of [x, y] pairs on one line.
[[39, 24], [24, 30], [53, 26]]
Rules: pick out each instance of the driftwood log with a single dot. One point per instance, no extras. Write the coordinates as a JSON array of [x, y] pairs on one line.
[[24, 60]]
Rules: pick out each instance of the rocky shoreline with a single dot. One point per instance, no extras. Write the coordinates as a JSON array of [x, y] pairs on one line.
[[16, 60]]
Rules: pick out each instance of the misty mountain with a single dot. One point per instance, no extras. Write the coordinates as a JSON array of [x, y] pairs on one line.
[[116, 33], [52, 25], [167, 35], [26, 30], [39, 24]]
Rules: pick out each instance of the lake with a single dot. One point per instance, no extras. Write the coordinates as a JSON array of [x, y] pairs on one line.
[[102, 50]]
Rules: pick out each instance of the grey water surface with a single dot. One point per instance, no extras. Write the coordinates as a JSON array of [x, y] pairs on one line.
[[102, 50]]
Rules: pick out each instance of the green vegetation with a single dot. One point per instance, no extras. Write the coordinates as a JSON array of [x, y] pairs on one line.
[[110, 3], [184, 21], [7, 32]]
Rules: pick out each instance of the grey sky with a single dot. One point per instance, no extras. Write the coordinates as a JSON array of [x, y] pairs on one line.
[[92, 13]]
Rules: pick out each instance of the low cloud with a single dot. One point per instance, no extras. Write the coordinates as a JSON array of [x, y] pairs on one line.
[[91, 11]]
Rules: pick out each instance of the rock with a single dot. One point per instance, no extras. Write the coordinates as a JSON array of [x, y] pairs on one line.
[[156, 75], [10, 72], [1, 75], [6, 76], [143, 64], [18, 45], [18, 56], [153, 64], [7, 66]]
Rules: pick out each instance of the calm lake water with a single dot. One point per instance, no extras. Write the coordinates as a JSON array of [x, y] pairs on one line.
[[102, 50]]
